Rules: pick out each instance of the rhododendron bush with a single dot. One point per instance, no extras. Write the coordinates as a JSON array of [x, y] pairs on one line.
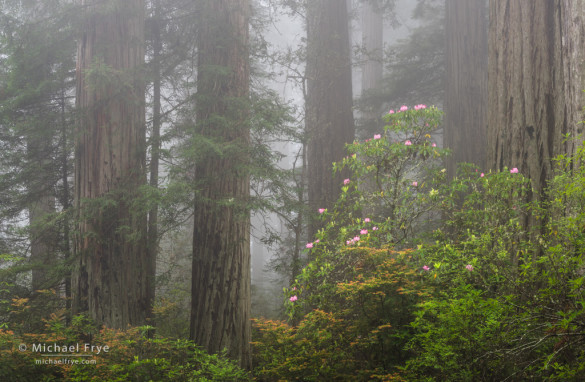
[[418, 278]]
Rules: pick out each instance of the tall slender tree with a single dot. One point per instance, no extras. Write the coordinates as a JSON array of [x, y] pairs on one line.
[[220, 307], [155, 139], [36, 71], [329, 114], [535, 84], [465, 98], [111, 277]]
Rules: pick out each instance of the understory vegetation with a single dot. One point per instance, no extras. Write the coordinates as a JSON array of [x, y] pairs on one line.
[[417, 278]]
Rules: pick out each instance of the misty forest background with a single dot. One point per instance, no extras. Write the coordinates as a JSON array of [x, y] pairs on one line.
[[307, 190]]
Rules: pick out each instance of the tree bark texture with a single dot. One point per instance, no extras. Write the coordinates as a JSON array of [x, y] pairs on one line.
[[466, 86], [372, 69], [111, 276], [329, 114], [535, 84], [221, 301]]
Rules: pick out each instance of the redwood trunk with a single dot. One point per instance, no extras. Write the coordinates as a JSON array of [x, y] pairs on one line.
[[329, 114], [466, 83], [111, 279], [535, 84], [220, 307]]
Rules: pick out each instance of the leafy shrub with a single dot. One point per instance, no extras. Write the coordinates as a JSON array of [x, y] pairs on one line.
[[132, 356], [497, 294], [351, 306], [360, 336], [517, 311]]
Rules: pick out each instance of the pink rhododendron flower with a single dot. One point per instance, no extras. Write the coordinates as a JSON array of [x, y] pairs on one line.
[[377, 136], [481, 175], [309, 245], [391, 111], [403, 108], [293, 298], [346, 181], [356, 238], [408, 143], [514, 171], [363, 232], [434, 145], [426, 268], [469, 267], [349, 242], [316, 241], [415, 184], [367, 220], [374, 228], [321, 210]]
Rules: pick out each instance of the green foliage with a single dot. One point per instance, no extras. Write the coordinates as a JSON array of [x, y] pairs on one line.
[[131, 355], [517, 310], [495, 293], [360, 336], [398, 173], [352, 304]]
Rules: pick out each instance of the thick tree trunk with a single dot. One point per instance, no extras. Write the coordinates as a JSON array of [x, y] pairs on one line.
[[329, 114], [372, 69], [535, 84], [373, 43], [111, 279], [220, 307], [466, 85]]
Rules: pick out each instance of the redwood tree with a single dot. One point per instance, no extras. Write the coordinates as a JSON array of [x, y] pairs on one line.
[[465, 100], [111, 278], [535, 84], [220, 306], [329, 114]]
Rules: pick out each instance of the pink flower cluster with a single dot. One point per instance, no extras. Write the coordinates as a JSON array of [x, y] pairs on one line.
[[311, 245], [404, 108], [293, 298], [363, 231], [352, 241], [514, 171]]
